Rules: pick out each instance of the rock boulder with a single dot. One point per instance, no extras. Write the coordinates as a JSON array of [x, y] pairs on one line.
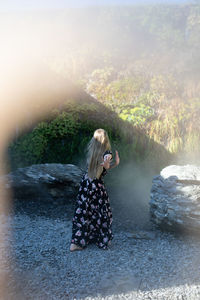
[[175, 198], [44, 182]]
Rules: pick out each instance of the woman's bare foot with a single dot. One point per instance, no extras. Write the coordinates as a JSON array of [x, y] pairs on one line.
[[74, 247]]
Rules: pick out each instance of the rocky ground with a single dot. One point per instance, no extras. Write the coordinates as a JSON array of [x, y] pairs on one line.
[[142, 263]]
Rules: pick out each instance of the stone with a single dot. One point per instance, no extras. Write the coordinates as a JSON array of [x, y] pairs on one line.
[[175, 198], [47, 182]]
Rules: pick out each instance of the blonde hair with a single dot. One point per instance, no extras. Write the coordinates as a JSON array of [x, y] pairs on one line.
[[96, 148]]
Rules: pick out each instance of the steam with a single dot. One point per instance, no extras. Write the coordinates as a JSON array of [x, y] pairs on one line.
[[130, 197]]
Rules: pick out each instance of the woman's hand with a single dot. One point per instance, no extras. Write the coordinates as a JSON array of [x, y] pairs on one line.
[[106, 162], [117, 160]]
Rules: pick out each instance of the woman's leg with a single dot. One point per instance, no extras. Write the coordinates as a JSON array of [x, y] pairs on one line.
[[74, 247], [105, 223], [80, 222]]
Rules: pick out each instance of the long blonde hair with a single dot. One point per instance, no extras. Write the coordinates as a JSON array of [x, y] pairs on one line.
[[96, 147]]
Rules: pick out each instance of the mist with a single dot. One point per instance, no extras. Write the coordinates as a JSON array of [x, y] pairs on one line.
[[130, 198]]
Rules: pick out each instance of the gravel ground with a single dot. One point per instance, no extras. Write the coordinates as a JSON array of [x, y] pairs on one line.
[[163, 266]]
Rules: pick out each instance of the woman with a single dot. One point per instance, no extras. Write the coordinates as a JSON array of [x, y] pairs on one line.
[[93, 216]]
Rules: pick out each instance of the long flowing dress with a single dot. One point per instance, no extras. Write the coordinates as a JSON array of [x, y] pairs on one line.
[[92, 221]]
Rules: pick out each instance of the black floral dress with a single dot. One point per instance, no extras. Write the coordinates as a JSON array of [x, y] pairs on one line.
[[92, 219]]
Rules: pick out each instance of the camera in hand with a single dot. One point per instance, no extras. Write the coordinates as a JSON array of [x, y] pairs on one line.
[[108, 154]]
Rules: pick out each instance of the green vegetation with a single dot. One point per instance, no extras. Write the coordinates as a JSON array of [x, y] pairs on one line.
[[64, 136]]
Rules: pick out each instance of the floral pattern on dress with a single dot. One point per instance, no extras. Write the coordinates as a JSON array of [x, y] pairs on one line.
[[92, 221]]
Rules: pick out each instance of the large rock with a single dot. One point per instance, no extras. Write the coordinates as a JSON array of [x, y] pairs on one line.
[[175, 198], [44, 182]]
